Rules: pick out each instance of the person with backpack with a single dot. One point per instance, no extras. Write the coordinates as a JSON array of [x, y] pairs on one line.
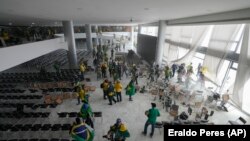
[[111, 93]]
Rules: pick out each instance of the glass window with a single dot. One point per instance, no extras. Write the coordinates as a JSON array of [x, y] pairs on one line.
[[205, 42], [230, 79], [223, 71], [233, 46], [235, 65], [239, 47], [182, 52], [246, 97]]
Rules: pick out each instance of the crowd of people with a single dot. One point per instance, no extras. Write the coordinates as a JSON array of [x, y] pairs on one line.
[[83, 129]]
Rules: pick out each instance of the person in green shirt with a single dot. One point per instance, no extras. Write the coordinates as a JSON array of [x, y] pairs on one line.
[[152, 114]]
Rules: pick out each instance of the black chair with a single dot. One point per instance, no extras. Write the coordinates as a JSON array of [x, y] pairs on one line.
[[33, 139], [43, 140], [36, 127], [53, 105], [73, 114], [56, 127], [239, 121], [26, 127], [23, 140], [45, 115], [62, 115], [54, 139], [46, 127], [66, 127]]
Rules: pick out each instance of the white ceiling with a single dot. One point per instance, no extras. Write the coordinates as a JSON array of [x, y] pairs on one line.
[[44, 12]]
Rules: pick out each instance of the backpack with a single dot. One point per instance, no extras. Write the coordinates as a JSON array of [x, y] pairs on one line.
[[183, 116], [101, 85]]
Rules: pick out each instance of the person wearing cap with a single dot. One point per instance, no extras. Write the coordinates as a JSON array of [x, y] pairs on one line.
[[80, 131], [152, 114], [86, 113], [117, 132]]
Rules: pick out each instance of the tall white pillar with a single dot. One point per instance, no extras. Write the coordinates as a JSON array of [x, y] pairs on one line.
[[132, 37], [96, 39], [160, 42], [88, 36], [70, 39], [139, 29]]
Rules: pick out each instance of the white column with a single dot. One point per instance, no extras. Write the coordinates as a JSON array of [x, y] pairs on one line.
[[132, 37], [88, 36], [160, 42], [139, 29], [96, 39], [70, 39]]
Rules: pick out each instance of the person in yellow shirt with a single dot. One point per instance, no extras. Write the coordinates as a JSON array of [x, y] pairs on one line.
[[105, 86], [118, 90], [81, 94], [82, 70]]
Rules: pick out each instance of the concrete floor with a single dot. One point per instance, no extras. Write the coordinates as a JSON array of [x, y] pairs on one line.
[[131, 113]]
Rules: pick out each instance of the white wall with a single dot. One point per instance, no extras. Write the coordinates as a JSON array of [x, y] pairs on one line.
[[15, 55]]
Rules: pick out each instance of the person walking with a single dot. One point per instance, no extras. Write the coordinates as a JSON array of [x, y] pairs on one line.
[[118, 90], [130, 90], [152, 114], [111, 93]]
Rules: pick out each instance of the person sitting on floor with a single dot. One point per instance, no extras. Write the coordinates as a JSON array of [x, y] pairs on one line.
[[80, 131], [117, 132]]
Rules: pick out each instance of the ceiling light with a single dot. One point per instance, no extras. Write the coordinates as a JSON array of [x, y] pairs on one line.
[[10, 23], [32, 23]]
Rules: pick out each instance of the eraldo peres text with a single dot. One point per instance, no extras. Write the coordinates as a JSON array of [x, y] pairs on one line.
[[189, 132]]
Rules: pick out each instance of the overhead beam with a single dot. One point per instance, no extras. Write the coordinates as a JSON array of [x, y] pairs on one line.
[[237, 16]]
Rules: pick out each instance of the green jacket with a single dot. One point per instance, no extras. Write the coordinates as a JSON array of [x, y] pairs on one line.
[[153, 113], [86, 112], [130, 90]]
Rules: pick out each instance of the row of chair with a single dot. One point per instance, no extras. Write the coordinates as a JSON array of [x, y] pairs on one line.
[[29, 105], [12, 91], [35, 127], [21, 97], [7, 86], [24, 115]]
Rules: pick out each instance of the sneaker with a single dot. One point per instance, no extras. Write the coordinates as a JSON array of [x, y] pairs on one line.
[[151, 135]]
